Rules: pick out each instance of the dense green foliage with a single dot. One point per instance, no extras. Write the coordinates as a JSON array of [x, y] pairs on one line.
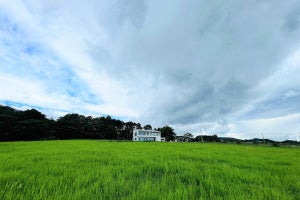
[[91, 169], [33, 125], [167, 132]]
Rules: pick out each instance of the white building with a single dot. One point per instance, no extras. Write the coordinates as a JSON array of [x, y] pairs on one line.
[[147, 135]]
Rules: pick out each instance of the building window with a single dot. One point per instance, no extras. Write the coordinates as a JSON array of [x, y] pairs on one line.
[[147, 139], [141, 133]]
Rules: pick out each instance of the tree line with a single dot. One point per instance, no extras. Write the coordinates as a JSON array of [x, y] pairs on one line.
[[33, 125]]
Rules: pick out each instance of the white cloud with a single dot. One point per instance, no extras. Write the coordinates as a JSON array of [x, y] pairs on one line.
[[290, 94], [277, 128]]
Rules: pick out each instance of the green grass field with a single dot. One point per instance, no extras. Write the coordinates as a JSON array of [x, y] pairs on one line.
[[90, 169]]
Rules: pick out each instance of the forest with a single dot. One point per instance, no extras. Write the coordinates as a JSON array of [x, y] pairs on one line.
[[33, 125]]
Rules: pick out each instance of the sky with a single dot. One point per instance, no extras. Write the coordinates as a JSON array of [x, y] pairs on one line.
[[205, 67]]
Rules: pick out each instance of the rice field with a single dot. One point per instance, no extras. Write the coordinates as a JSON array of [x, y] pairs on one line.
[[91, 169]]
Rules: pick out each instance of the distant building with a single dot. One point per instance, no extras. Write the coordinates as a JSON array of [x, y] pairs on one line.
[[147, 136]]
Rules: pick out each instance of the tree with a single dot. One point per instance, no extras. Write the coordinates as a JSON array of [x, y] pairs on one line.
[[8, 119], [33, 125], [32, 114], [70, 126], [188, 137], [207, 138], [31, 129], [148, 127], [23, 125], [138, 125], [127, 132], [168, 133]]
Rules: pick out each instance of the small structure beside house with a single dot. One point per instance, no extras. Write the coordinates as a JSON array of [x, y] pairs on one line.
[[142, 135]]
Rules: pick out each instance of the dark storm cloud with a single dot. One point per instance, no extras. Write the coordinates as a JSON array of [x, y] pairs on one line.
[[200, 61]]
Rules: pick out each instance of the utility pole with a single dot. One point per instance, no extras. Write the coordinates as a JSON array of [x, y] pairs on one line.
[[263, 137], [201, 135]]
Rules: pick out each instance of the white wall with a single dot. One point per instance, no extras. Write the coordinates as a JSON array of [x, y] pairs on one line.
[[148, 134]]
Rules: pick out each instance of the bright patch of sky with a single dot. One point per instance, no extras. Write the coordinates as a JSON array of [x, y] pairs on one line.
[[202, 67]]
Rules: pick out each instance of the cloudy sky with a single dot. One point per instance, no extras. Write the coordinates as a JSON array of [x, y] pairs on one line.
[[230, 68]]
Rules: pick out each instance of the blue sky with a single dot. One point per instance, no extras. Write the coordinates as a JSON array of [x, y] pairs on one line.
[[202, 67]]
